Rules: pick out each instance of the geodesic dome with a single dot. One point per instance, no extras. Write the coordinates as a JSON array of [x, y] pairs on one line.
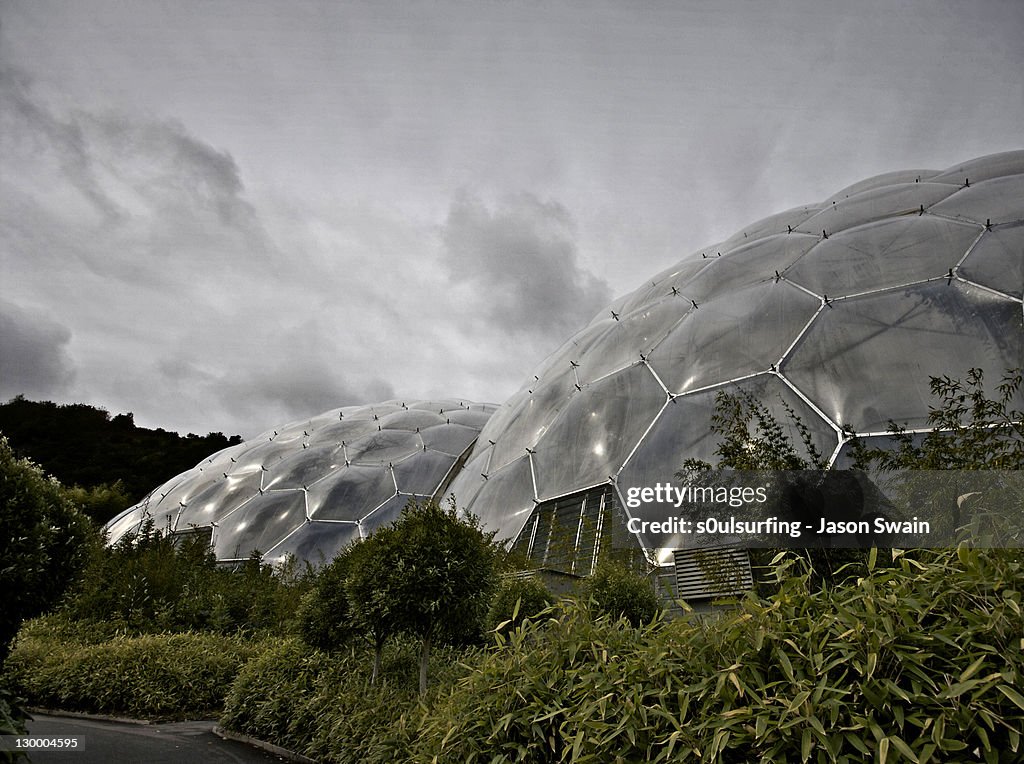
[[310, 487], [841, 310]]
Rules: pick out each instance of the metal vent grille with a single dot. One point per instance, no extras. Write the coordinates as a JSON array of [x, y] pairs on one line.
[[703, 574]]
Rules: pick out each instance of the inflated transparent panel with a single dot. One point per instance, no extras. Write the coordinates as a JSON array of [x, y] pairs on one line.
[[885, 254], [476, 416], [470, 480], [126, 524], [342, 430], [997, 260], [259, 524], [997, 201], [594, 434], [878, 203], [451, 439], [845, 461], [984, 168], [897, 177], [262, 456], [533, 416], [384, 447], [756, 263], [411, 420], [867, 360], [194, 484], [670, 284], [632, 336], [780, 222], [220, 498], [683, 431], [350, 492], [422, 473], [737, 334], [385, 514], [319, 543], [305, 466], [222, 460], [505, 500]]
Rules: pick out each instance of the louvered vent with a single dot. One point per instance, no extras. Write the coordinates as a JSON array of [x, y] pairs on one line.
[[703, 574]]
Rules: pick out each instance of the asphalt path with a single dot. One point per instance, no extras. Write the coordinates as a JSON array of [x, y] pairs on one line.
[[170, 743]]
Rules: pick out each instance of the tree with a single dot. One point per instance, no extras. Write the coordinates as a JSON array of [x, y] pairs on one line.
[[44, 543], [622, 593], [431, 574]]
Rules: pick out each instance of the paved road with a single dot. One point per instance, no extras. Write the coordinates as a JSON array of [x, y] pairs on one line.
[[171, 743]]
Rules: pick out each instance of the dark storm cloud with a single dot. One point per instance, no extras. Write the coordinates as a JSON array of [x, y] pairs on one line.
[[521, 260], [33, 353]]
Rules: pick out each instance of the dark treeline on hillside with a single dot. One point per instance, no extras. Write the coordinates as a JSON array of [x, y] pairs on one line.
[[84, 446]]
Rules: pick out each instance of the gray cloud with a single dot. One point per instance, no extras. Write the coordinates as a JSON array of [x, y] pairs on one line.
[[521, 260], [34, 358]]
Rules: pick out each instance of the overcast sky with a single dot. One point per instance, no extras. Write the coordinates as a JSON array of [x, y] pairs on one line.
[[224, 215]]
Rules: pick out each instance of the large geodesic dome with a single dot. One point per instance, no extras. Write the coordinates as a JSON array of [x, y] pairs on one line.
[[309, 488], [840, 310]]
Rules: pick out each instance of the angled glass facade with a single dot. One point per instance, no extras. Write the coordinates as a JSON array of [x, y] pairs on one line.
[[840, 310], [312, 486]]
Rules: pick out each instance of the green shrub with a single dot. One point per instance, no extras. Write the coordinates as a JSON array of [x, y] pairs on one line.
[[323, 705], [148, 676], [323, 618], [921, 661], [515, 600], [621, 593]]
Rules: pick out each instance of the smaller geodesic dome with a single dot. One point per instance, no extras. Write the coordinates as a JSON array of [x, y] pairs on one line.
[[312, 486], [838, 311]]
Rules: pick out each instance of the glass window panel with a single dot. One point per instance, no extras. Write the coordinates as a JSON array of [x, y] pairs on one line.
[[683, 431], [533, 416], [881, 181], [868, 359], [984, 168], [383, 447], [259, 524], [866, 207], [506, 499], [315, 542], [737, 334], [422, 473], [998, 201], [890, 253], [451, 439], [592, 437], [304, 467], [350, 492], [998, 260], [223, 496]]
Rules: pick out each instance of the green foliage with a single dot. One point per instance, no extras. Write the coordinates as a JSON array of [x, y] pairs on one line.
[[102, 502], [12, 722], [620, 592], [153, 582], [921, 660], [324, 617], [323, 704], [43, 543], [430, 574], [516, 599], [148, 676], [973, 431], [84, 446]]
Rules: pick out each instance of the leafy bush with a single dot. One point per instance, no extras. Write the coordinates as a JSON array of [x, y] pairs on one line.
[[43, 543], [515, 600], [621, 593], [918, 661], [149, 676], [323, 705]]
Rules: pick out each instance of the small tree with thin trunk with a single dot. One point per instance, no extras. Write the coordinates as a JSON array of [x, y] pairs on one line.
[[371, 588], [442, 572]]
